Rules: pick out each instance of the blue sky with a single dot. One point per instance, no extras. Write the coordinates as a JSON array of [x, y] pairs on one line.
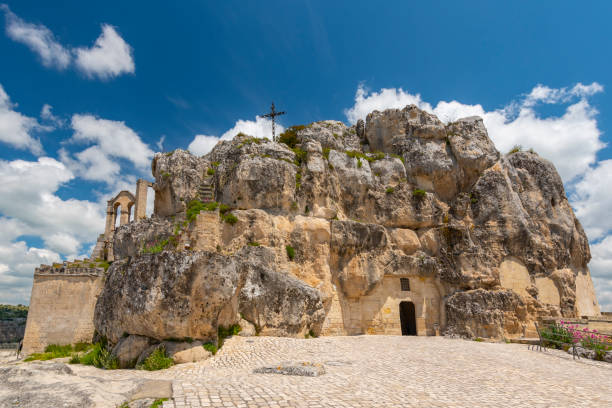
[[89, 90]]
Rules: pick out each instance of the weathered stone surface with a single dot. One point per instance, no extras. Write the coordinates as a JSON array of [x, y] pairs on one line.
[[179, 295], [324, 232], [186, 352], [304, 369], [128, 349]]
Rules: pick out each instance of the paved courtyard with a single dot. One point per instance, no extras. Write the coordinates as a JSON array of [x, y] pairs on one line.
[[382, 371]]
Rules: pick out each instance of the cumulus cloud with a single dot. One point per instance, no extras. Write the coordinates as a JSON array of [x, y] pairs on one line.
[[600, 266], [260, 128], [17, 267], [571, 140], [109, 57], [202, 144], [27, 196], [113, 138], [38, 38], [15, 128], [592, 200]]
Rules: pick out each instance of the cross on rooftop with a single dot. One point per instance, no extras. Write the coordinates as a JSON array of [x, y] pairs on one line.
[[273, 114]]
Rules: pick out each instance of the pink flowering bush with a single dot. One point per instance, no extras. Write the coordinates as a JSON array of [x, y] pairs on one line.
[[589, 339]]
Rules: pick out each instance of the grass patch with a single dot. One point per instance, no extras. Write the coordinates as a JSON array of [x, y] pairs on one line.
[[249, 140], [166, 175], [158, 360], [223, 208], [290, 252], [516, 149], [326, 152], [99, 356], [155, 248], [298, 179], [210, 171], [158, 403], [225, 332], [254, 243], [419, 193], [51, 351], [389, 190], [478, 339], [210, 347], [310, 334], [368, 157]]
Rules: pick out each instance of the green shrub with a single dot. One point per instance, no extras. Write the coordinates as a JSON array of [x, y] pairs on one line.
[[290, 137], [155, 248], [389, 190], [300, 156], [326, 152], [223, 208], [106, 360], [419, 193], [225, 332], [158, 360], [210, 347], [103, 264], [253, 243], [290, 252], [158, 403], [369, 157], [166, 175], [215, 164], [478, 339], [516, 149], [229, 218], [196, 206], [210, 171]]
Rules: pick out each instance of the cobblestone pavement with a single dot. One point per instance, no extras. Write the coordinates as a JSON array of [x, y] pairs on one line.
[[375, 371], [391, 371]]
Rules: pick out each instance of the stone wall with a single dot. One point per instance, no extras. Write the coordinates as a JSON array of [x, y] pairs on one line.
[[379, 312], [62, 306]]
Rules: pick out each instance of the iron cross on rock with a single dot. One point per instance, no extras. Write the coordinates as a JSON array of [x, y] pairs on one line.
[[273, 114]]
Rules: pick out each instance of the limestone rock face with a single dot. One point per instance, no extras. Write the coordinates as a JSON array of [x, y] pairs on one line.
[[400, 221], [179, 295]]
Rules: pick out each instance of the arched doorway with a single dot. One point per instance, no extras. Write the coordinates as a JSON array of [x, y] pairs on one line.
[[408, 319]]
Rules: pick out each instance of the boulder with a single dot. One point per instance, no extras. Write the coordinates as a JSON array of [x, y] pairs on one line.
[[128, 349], [186, 352]]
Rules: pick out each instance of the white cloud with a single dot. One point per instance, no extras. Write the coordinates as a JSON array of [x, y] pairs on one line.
[[160, 143], [46, 113], [260, 127], [17, 268], [38, 38], [109, 57], [592, 200], [386, 98], [601, 272], [15, 128], [28, 200], [202, 144], [570, 141], [114, 138]]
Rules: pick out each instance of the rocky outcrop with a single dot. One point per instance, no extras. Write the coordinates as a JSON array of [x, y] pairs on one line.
[[316, 237], [190, 294]]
